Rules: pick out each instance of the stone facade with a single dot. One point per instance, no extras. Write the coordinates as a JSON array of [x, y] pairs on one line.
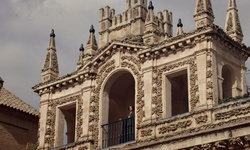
[[177, 84]]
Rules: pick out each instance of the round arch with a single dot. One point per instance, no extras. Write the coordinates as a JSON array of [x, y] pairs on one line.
[[118, 93]]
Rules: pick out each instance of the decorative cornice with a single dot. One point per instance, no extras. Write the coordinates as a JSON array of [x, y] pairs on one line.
[[187, 39]]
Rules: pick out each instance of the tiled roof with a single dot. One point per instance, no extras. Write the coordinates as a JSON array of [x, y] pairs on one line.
[[10, 100]]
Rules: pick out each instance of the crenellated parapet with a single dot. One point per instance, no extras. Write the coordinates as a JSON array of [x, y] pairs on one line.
[[130, 22], [133, 21]]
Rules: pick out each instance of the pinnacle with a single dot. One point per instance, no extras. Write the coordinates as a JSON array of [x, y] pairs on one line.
[[92, 30], [150, 6], [52, 34]]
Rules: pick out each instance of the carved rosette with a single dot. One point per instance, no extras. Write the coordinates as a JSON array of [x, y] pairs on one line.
[[51, 117], [157, 109]]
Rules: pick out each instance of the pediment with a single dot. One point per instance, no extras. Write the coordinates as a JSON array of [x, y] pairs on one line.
[[105, 53]]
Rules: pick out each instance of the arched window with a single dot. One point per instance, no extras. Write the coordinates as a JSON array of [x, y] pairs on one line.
[[119, 93]]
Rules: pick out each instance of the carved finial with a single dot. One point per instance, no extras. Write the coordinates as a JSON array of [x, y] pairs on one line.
[[179, 28], [92, 30], [179, 23], [81, 49], [52, 34], [150, 6]]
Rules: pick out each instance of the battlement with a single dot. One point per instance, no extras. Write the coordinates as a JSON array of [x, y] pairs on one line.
[[130, 22]]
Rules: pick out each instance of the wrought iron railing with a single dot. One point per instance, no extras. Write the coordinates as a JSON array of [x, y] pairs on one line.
[[118, 132]]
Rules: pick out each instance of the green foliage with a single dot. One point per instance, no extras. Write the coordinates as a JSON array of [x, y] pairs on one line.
[[231, 99]]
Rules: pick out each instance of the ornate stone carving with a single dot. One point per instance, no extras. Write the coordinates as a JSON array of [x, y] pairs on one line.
[[51, 117], [146, 132], [157, 110], [236, 142], [174, 127], [230, 23], [206, 147], [232, 113], [127, 62], [201, 119], [200, 6], [220, 145]]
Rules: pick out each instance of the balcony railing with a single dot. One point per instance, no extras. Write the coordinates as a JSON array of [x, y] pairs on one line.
[[118, 132]]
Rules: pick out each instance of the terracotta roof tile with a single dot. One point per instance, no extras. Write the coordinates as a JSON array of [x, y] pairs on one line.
[[10, 100]]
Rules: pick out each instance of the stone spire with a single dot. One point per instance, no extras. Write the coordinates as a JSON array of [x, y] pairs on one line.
[[151, 26], [92, 44], [203, 15], [232, 26], [50, 68], [179, 28]]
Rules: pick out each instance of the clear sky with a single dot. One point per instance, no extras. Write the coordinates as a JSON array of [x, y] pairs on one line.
[[25, 26]]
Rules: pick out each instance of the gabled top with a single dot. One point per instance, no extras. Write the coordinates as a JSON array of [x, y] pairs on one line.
[[203, 13], [50, 68], [233, 26], [9, 100]]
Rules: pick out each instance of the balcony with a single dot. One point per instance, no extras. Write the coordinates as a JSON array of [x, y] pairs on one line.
[[118, 132]]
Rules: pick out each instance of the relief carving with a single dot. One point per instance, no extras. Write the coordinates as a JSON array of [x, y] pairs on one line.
[[174, 127], [157, 109], [206, 147], [147, 132], [51, 120], [220, 145], [201, 119], [127, 62], [236, 142], [232, 113]]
